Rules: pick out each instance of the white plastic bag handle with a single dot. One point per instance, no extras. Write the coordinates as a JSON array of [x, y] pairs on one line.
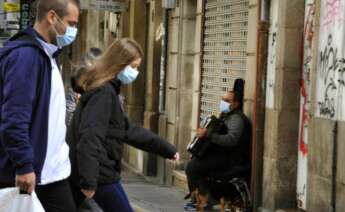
[[12, 201]]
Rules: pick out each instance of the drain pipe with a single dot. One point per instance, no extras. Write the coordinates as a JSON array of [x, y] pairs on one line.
[[164, 61], [162, 86], [334, 167], [258, 117]]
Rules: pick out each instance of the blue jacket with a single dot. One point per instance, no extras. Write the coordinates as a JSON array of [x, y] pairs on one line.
[[25, 82]]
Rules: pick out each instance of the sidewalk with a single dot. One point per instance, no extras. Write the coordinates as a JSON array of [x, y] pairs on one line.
[[148, 197]]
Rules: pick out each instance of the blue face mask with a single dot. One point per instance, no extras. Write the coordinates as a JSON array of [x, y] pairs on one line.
[[69, 36], [224, 106], [128, 75]]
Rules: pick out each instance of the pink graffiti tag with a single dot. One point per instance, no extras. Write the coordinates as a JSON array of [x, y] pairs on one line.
[[334, 12], [303, 147]]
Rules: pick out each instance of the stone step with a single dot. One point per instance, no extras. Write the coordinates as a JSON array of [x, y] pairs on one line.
[[289, 210], [261, 209], [180, 180]]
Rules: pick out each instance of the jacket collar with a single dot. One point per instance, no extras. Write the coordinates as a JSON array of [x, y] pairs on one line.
[[26, 37], [87, 94], [42, 42], [223, 115], [50, 49], [116, 83]]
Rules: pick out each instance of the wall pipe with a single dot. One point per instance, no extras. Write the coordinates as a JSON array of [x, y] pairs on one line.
[[259, 102], [163, 78], [334, 167]]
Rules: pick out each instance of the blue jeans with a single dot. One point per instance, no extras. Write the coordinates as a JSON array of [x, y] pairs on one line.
[[112, 198]]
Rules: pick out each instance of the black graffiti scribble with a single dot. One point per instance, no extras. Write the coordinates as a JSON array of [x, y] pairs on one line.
[[341, 86], [329, 62], [273, 54], [274, 36], [307, 61], [341, 77], [329, 66], [327, 107]]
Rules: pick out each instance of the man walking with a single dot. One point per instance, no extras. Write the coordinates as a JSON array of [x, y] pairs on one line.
[[34, 155]]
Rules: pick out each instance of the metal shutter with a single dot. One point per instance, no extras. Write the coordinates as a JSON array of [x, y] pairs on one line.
[[224, 50]]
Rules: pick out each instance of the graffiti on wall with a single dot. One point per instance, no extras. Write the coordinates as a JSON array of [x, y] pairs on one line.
[[306, 70], [307, 58], [333, 13], [330, 67], [271, 60], [271, 69]]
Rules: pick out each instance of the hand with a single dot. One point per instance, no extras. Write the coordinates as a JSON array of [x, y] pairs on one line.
[[78, 98], [176, 157], [201, 132], [26, 182], [88, 193]]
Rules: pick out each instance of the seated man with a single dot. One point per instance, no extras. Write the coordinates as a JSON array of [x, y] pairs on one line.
[[230, 147]]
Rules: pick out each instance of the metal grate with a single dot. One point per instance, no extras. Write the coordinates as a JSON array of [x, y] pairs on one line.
[[224, 50]]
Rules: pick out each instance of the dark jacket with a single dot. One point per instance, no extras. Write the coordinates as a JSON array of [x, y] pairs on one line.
[[233, 142], [25, 81], [97, 135]]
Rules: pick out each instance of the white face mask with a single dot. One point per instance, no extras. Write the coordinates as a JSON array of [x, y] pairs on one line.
[[224, 106], [128, 75]]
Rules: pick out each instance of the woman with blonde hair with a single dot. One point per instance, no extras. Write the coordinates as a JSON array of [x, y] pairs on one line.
[[100, 128]]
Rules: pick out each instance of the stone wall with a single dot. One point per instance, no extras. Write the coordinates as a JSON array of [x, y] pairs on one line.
[[282, 104], [134, 26], [325, 144], [324, 123], [180, 74]]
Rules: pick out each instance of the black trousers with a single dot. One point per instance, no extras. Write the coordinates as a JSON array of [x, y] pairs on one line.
[[56, 197], [198, 169]]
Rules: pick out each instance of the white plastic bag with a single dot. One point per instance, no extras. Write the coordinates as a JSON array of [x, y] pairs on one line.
[[12, 201]]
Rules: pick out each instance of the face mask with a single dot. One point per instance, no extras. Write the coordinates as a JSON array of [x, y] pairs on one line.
[[224, 107], [128, 75], [69, 36]]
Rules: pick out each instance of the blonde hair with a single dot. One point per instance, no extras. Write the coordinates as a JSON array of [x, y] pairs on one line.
[[120, 54]]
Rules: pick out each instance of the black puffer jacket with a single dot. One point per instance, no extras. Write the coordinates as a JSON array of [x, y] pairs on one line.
[[97, 134]]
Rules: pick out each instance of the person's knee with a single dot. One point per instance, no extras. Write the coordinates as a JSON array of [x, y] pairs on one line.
[[191, 168], [188, 169]]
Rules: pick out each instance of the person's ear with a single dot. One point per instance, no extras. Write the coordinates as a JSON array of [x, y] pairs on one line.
[[51, 16]]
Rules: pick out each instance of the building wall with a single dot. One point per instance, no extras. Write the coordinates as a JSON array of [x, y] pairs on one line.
[[254, 92], [152, 82], [184, 74], [175, 122], [320, 102], [134, 25], [180, 78], [282, 104], [325, 144]]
